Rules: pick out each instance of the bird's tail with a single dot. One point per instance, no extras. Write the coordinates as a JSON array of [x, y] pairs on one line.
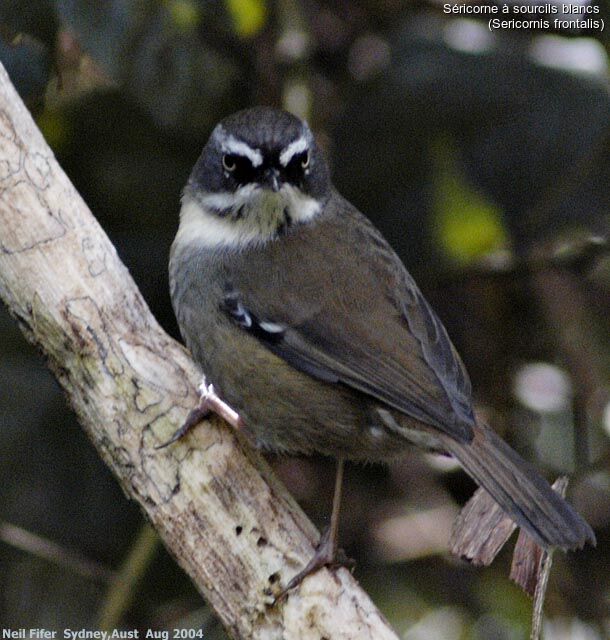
[[520, 490]]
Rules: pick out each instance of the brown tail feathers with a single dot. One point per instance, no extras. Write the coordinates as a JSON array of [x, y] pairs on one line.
[[520, 490]]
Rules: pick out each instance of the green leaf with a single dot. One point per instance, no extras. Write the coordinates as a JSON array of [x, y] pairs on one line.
[[249, 16], [469, 225]]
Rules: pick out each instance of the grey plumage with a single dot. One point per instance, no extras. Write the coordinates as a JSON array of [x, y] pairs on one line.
[[311, 328]]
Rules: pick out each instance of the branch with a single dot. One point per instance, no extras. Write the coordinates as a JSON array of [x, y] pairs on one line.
[[222, 514]]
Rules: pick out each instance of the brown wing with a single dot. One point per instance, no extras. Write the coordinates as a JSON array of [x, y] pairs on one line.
[[365, 324]]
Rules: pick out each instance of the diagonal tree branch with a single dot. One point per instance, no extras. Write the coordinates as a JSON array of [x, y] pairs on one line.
[[228, 522]]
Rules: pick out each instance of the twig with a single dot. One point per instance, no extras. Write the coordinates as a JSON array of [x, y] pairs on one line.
[[566, 309], [480, 530], [123, 589], [544, 571], [531, 567], [52, 552], [578, 254]]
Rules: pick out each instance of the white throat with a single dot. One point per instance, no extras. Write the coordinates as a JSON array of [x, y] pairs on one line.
[[251, 215]]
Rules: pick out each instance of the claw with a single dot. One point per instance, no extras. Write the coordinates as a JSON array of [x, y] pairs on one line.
[[194, 417], [209, 402], [326, 555]]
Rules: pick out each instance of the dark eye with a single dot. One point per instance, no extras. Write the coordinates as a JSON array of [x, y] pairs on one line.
[[239, 167], [229, 161], [297, 166], [299, 160]]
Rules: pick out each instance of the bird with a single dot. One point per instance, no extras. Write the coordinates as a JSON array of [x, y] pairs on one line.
[[315, 337]]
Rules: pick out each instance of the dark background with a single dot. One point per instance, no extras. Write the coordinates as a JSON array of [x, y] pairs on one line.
[[483, 157]]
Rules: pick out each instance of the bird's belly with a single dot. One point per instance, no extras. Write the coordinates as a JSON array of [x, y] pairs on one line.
[[290, 411]]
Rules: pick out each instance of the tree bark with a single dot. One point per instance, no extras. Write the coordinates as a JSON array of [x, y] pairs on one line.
[[215, 503]]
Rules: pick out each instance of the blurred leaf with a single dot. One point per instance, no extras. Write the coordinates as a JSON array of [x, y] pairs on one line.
[[55, 128], [184, 14], [469, 225], [249, 16], [505, 600]]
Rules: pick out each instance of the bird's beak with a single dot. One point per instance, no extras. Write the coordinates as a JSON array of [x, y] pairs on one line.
[[271, 179]]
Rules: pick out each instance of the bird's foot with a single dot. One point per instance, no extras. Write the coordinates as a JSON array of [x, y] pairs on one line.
[[209, 402], [326, 555]]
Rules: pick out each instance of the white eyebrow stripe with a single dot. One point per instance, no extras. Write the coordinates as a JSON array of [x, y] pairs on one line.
[[239, 148], [298, 146]]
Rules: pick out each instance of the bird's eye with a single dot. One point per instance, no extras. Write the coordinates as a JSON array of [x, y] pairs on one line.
[[299, 161], [229, 162]]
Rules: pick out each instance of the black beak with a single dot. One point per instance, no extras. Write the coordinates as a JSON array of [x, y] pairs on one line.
[[271, 179]]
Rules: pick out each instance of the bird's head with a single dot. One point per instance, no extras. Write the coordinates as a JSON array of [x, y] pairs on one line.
[[260, 173]]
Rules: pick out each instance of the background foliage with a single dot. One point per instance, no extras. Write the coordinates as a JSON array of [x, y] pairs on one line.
[[484, 158]]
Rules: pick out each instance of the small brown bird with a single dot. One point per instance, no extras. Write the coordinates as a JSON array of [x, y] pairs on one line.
[[311, 328]]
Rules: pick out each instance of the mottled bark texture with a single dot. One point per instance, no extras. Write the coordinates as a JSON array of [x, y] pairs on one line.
[[228, 522]]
